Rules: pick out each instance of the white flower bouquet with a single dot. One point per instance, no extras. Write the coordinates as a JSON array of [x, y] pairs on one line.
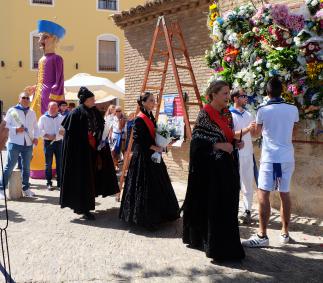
[[15, 116], [164, 136]]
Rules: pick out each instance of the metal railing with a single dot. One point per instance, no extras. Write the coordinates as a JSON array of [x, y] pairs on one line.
[[112, 68]]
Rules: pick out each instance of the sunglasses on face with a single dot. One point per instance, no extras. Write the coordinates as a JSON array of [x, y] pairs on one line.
[[118, 110], [243, 96], [25, 98]]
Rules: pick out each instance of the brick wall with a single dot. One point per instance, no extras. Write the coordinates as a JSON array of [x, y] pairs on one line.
[[137, 47]]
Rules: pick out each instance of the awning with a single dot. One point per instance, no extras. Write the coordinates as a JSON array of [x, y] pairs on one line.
[[102, 88]]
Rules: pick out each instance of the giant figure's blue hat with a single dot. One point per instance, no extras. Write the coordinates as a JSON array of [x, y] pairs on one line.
[[51, 28]]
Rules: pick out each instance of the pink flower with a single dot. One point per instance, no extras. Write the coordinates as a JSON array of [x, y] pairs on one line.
[[279, 13], [219, 69], [295, 22], [293, 89], [227, 59], [281, 16], [319, 14]]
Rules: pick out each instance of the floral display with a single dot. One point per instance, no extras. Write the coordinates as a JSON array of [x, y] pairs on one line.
[[164, 136], [252, 44]]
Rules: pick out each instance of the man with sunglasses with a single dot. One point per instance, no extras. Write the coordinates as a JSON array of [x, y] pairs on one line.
[[23, 135], [242, 121]]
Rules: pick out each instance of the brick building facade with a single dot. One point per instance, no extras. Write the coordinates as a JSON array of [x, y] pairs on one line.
[[139, 23]]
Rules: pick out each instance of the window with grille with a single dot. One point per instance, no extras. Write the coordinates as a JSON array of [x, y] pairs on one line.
[[108, 4], [37, 53], [43, 2], [108, 56]]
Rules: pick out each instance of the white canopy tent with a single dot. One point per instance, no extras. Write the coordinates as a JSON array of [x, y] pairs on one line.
[[121, 84], [103, 89]]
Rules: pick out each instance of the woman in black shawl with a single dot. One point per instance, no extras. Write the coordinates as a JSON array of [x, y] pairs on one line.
[[210, 220], [148, 197], [87, 169]]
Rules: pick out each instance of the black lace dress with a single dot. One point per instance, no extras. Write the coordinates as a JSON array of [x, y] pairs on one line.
[[210, 219], [148, 197]]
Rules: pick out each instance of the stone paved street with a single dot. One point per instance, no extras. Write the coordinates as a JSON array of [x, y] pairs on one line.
[[49, 244]]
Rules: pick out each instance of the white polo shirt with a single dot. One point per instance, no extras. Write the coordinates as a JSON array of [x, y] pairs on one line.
[[16, 118], [51, 125], [277, 130], [242, 120]]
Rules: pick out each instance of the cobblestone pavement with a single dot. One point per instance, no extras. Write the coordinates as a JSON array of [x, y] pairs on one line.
[[49, 244]]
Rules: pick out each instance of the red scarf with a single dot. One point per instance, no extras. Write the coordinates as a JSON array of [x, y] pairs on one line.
[[149, 124], [221, 121]]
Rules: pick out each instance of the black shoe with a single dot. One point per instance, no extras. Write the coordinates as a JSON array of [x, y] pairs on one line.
[[88, 216], [246, 217]]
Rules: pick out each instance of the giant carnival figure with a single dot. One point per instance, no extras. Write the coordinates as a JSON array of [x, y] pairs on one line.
[[50, 84]]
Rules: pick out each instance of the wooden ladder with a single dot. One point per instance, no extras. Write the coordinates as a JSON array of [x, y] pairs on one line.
[[169, 55]]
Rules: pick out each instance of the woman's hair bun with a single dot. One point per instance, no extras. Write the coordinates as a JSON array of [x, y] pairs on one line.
[[139, 100]]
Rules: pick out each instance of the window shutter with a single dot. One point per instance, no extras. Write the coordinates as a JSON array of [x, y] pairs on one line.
[[107, 4], [37, 52], [45, 2], [107, 55]]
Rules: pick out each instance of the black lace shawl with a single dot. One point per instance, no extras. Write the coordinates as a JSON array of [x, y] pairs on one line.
[[205, 134]]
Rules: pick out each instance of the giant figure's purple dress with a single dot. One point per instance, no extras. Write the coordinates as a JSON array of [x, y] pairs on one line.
[[50, 87]]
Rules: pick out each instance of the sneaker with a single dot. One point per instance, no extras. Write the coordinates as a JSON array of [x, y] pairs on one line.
[[284, 238], [50, 187], [2, 195], [28, 193], [256, 242], [246, 217]]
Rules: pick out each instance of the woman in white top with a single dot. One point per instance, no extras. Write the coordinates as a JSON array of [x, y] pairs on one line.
[[116, 133], [108, 118]]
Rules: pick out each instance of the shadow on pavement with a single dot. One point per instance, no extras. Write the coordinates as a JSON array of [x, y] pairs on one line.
[[13, 216], [109, 219], [260, 265]]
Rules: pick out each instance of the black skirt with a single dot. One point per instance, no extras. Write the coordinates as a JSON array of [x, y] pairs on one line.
[[148, 197], [210, 219]]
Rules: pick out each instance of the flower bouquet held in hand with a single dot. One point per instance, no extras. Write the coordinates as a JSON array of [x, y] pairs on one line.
[[15, 116], [164, 136]]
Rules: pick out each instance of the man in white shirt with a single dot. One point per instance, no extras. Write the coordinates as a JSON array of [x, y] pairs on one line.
[[242, 121], [275, 121], [52, 132], [23, 134]]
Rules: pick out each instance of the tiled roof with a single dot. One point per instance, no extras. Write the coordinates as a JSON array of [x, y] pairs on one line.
[[153, 9]]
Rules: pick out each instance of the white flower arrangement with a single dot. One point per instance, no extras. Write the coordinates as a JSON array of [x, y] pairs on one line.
[[163, 139], [217, 32], [13, 113]]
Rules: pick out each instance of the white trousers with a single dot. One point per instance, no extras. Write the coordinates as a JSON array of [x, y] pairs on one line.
[[246, 179]]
